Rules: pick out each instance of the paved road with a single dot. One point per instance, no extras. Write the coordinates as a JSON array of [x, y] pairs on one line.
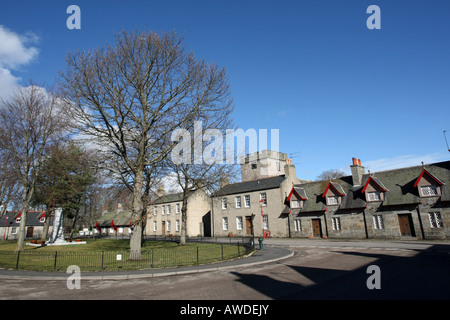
[[316, 270]]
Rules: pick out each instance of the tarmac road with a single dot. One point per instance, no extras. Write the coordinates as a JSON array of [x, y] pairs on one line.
[[319, 270]]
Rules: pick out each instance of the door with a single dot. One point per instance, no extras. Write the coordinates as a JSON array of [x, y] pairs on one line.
[[317, 228], [30, 232], [248, 225], [163, 228], [406, 225]]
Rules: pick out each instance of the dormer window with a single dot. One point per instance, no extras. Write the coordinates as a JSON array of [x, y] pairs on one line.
[[428, 184], [333, 194], [296, 198], [295, 204], [332, 200], [429, 191], [374, 196], [374, 189]]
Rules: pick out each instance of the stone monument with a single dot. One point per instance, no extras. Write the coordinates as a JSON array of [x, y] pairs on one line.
[[57, 236]]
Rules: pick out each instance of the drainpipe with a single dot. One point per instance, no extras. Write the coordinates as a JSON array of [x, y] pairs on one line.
[[420, 222]]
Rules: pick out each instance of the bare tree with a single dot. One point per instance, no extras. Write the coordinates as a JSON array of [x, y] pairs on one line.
[[332, 173], [29, 124], [128, 98], [9, 185]]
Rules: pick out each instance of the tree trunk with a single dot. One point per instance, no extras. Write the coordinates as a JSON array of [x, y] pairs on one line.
[[136, 236], [183, 221], [23, 220]]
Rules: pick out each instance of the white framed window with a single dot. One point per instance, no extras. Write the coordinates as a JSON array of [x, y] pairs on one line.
[[163, 210], [247, 201], [435, 220], [263, 197], [374, 196], [13, 230], [378, 222], [224, 203], [168, 223], [332, 200], [18, 219], [42, 219], [177, 208], [168, 209], [429, 191], [155, 210], [155, 226], [225, 223], [295, 204], [239, 224], [266, 222], [120, 230], [238, 202], [336, 221], [298, 225], [177, 225]]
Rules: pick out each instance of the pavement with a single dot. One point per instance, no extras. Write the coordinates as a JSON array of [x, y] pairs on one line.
[[267, 255]]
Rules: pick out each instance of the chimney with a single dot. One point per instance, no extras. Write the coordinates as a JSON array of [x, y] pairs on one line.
[[161, 192], [223, 181], [357, 171], [290, 172], [119, 208]]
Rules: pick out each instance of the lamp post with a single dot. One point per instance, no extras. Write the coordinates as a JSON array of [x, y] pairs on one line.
[[262, 217]]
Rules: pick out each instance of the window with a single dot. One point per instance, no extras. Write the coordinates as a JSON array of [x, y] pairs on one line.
[[247, 201], [254, 166], [298, 225], [225, 223], [374, 196], [18, 219], [263, 197], [168, 222], [42, 219], [429, 191], [177, 208], [378, 222], [239, 223], [163, 210], [224, 203], [177, 225], [120, 230], [155, 226], [333, 200], [265, 222], [13, 230], [295, 204], [435, 220], [336, 221], [238, 202], [155, 210], [168, 209]]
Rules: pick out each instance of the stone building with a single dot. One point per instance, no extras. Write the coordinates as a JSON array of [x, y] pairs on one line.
[[164, 214], [409, 202], [253, 206], [9, 225]]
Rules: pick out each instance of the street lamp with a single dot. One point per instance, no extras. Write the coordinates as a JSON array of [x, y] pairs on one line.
[[262, 217]]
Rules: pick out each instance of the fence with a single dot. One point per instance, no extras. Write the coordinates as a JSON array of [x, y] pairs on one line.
[[126, 260]]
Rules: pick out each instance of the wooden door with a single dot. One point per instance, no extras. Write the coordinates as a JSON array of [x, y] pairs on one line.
[[248, 225], [406, 225], [317, 228], [163, 228], [30, 232]]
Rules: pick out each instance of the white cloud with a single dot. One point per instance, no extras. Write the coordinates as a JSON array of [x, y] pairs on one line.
[[16, 51], [403, 161]]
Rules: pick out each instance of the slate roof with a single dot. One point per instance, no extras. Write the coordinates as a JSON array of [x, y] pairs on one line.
[[122, 218], [250, 186], [176, 197], [398, 182], [32, 219]]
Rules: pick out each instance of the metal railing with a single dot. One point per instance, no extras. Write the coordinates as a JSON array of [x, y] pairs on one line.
[[220, 250]]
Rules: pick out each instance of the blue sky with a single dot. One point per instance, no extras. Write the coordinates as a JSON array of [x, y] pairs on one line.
[[310, 68]]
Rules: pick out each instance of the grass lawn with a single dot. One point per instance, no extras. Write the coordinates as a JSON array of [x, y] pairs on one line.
[[110, 254]]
